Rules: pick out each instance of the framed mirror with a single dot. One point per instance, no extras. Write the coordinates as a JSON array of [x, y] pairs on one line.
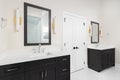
[[37, 25], [95, 32]]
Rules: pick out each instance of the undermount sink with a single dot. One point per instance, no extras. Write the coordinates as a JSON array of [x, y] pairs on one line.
[[41, 54]]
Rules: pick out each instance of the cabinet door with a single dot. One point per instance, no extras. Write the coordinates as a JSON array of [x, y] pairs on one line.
[[108, 58], [112, 59], [14, 77], [34, 75], [49, 74], [104, 60]]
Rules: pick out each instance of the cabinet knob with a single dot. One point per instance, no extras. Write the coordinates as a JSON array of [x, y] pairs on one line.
[[77, 47]]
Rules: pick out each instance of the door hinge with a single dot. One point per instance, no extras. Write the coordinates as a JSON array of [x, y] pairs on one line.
[[64, 19], [84, 43], [84, 24], [64, 44], [84, 62]]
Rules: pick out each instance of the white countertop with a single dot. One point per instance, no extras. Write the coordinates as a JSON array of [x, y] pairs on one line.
[[101, 47], [12, 57]]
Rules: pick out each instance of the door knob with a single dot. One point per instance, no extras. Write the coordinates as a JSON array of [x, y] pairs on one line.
[[74, 47]]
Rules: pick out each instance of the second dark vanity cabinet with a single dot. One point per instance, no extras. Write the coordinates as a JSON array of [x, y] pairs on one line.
[[57, 68], [99, 60]]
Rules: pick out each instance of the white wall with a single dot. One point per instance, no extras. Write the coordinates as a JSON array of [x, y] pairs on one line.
[[15, 40], [3, 31], [105, 11], [110, 19]]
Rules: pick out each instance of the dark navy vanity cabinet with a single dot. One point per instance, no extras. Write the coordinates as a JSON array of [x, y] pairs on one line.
[[57, 68], [99, 60]]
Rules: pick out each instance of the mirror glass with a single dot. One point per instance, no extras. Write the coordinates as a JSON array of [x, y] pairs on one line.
[[37, 25], [95, 32]]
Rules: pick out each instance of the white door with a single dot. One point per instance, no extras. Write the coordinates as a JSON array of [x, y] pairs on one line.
[[67, 33], [74, 40]]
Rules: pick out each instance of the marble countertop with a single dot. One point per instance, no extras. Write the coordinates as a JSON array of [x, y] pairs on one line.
[[12, 57]]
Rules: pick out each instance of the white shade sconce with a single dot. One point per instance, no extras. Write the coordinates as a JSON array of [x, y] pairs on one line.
[[53, 25], [3, 22], [17, 20]]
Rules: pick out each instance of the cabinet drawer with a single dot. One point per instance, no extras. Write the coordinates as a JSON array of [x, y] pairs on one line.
[[63, 70], [14, 77], [63, 59], [38, 63], [11, 69]]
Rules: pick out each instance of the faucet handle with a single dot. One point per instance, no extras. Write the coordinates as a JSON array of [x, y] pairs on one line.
[[34, 50]]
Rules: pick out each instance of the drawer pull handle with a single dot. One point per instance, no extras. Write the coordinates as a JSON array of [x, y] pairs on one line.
[[13, 69], [46, 73], [42, 75], [64, 69], [64, 59]]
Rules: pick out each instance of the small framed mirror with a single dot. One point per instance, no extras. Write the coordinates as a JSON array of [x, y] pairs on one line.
[[37, 25], [95, 32]]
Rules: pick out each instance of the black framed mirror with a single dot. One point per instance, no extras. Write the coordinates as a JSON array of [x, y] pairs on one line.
[[95, 32], [37, 25]]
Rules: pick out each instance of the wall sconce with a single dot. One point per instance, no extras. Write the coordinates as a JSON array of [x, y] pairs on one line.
[[53, 25], [17, 20], [3, 22], [90, 31], [100, 32]]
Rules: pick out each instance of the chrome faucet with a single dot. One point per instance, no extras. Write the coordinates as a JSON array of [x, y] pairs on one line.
[[39, 47]]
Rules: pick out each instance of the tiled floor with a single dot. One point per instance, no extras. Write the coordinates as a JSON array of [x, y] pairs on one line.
[[112, 73]]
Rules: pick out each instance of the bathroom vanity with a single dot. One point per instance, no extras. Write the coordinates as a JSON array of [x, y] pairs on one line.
[[40, 66], [101, 58], [49, 68]]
